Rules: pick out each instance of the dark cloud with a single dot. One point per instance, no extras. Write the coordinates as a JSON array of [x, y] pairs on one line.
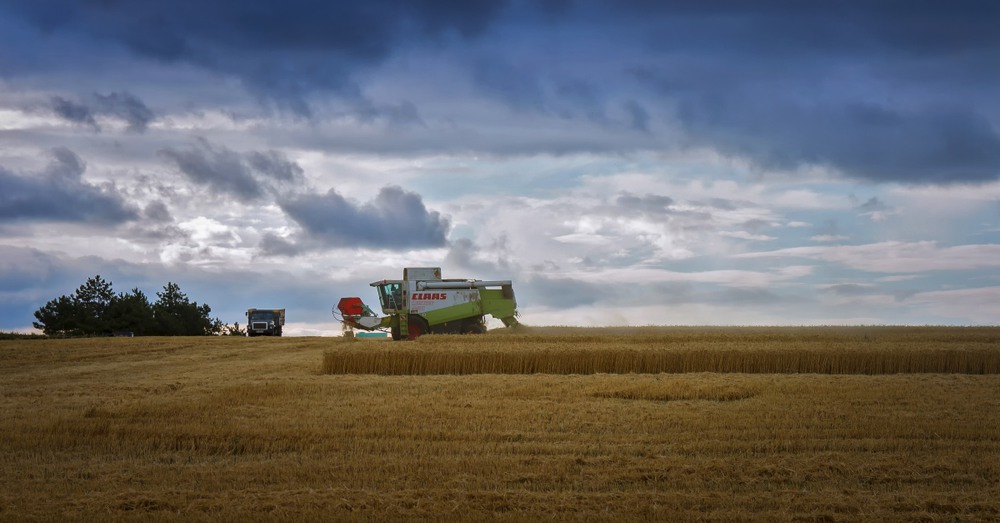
[[123, 106], [73, 111], [461, 253], [491, 263], [282, 50], [872, 205], [126, 107], [638, 116], [403, 113], [756, 224], [157, 211], [59, 193], [873, 142], [517, 86], [21, 268], [793, 28], [395, 219], [275, 166], [248, 176], [865, 88], [883, 91], [661, 208], [274, 245], [652, 204]]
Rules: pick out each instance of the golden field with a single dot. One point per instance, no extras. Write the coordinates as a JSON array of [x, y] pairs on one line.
[[818, 424]]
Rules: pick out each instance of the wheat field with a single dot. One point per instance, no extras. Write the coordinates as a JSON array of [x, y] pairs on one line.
[[208, 429], [829, 350]]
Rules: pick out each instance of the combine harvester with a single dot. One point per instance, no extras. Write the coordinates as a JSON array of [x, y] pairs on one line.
[[423, 303]]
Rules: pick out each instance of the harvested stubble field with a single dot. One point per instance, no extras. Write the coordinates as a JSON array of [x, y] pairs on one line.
[[184, 429]]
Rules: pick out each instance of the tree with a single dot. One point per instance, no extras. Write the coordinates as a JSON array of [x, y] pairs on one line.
[[131, 312], [175, 315], [95, 310], [235, 330], [82, 314], [92, 301], [58, 317]]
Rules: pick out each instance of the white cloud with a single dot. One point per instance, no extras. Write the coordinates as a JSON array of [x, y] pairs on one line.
[[829, 238], [13, 120], [209, 232], [981, 305], [731, 278], [895, 256], [807, 199], [744, 235]]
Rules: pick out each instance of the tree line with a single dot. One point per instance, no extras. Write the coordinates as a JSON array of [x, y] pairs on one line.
[[96, 310]]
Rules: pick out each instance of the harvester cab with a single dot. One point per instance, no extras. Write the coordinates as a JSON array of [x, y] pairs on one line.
[[422, 302]]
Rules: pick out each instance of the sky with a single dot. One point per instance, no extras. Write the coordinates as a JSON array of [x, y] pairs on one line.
[[622, 162]]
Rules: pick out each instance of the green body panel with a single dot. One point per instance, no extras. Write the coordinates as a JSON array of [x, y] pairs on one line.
[[403, 320], [491, 301], [497, 305], [455, 312]]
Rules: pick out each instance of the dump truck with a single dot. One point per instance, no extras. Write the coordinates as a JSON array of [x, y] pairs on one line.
[[265, 322], [422, 302]]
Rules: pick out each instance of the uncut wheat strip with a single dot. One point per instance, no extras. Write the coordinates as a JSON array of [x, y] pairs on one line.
[[430, 360]]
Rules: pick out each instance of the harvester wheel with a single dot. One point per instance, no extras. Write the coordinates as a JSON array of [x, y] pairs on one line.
[[474, 328], [394, 331], [417, 327]]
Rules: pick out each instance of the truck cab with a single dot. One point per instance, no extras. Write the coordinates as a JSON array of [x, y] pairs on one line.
[[265, 322]]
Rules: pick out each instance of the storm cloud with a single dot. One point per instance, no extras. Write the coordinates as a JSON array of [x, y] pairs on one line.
[[59, 193], [247, 176], [122, 106], [887, 92], [395, 219], [872, 142], [282, 50]]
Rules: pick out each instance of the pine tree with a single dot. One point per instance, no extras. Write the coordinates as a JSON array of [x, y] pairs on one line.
[[91, 302], [177, 316], [131, 312]]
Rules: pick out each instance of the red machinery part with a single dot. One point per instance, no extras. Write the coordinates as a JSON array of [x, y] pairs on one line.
[[352, 306]]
